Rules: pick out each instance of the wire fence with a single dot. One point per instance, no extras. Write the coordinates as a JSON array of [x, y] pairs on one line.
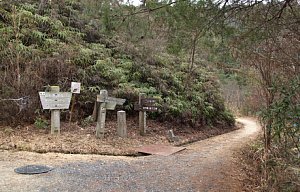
[[22, 102]]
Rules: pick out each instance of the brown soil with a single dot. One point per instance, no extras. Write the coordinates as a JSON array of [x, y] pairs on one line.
[[76, 139], [208, 165]]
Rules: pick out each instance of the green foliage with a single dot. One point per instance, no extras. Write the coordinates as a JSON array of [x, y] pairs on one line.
[[87, 121], [79, 40], [41, 123], [263, 31], [284, 114]]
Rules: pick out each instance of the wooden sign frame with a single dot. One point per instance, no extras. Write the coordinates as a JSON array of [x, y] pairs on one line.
[[118, 101], [57, 100], [106, 103], [147, 104]]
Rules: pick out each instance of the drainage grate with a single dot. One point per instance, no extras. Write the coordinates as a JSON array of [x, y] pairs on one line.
[[33, 169]]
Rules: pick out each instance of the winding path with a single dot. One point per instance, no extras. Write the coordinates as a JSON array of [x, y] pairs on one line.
[[207, 165]]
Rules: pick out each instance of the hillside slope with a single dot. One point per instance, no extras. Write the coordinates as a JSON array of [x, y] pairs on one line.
[[60, 42]]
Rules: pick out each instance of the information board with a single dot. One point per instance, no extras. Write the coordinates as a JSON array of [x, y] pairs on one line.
[[75, 87], [59, 100], [147, 104], [118, 101]]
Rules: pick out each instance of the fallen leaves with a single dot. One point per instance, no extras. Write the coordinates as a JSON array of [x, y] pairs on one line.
[[81, 140]]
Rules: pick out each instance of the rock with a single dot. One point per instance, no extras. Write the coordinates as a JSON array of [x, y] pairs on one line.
[[171, 137]]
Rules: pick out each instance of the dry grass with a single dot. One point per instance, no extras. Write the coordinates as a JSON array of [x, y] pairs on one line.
[[282, 168], [77, 139]]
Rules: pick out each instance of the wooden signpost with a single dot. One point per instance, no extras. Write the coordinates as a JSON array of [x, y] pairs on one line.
[[144, 105], [55, 101], [75, 88], [106, 103]]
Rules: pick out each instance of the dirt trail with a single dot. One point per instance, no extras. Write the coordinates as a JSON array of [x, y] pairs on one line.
[[207, 165]]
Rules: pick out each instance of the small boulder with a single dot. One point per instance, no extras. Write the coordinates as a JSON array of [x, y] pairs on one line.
[[171, 137]]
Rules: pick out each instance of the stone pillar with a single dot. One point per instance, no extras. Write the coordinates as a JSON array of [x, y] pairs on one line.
[[122, 127], [142, 116], [100, 128]]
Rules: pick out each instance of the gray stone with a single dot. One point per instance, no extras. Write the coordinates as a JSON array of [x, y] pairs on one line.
[[171, 137]]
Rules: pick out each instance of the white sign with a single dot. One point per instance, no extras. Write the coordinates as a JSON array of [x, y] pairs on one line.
[[118, 101], [75, 87], [60, 100]]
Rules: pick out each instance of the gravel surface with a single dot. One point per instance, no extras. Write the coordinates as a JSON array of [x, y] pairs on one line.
[[207, 165]]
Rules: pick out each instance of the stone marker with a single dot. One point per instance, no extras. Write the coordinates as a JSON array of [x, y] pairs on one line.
[[171, 137], [122, 127], [142, 116], [106, 103], [101, 115]]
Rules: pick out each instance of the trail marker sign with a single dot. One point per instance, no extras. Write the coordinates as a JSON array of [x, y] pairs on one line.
[[117, 101], [149, 104], [146, 104], [75, 87], [55, 100], [143, 105], [106, 103], [58, 100]]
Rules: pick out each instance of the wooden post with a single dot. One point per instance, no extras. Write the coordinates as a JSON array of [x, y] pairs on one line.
[[72, 108], [95, 112], [55, 114], [100, 128], [142, 116], [75, 88], [122, 127]]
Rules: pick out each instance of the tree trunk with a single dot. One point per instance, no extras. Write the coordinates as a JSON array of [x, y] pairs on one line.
[[192, 60]]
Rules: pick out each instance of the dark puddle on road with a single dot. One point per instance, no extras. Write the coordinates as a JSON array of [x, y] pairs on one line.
[[33, 169]]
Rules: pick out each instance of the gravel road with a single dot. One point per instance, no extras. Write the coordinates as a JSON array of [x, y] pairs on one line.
[[207, 165]]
